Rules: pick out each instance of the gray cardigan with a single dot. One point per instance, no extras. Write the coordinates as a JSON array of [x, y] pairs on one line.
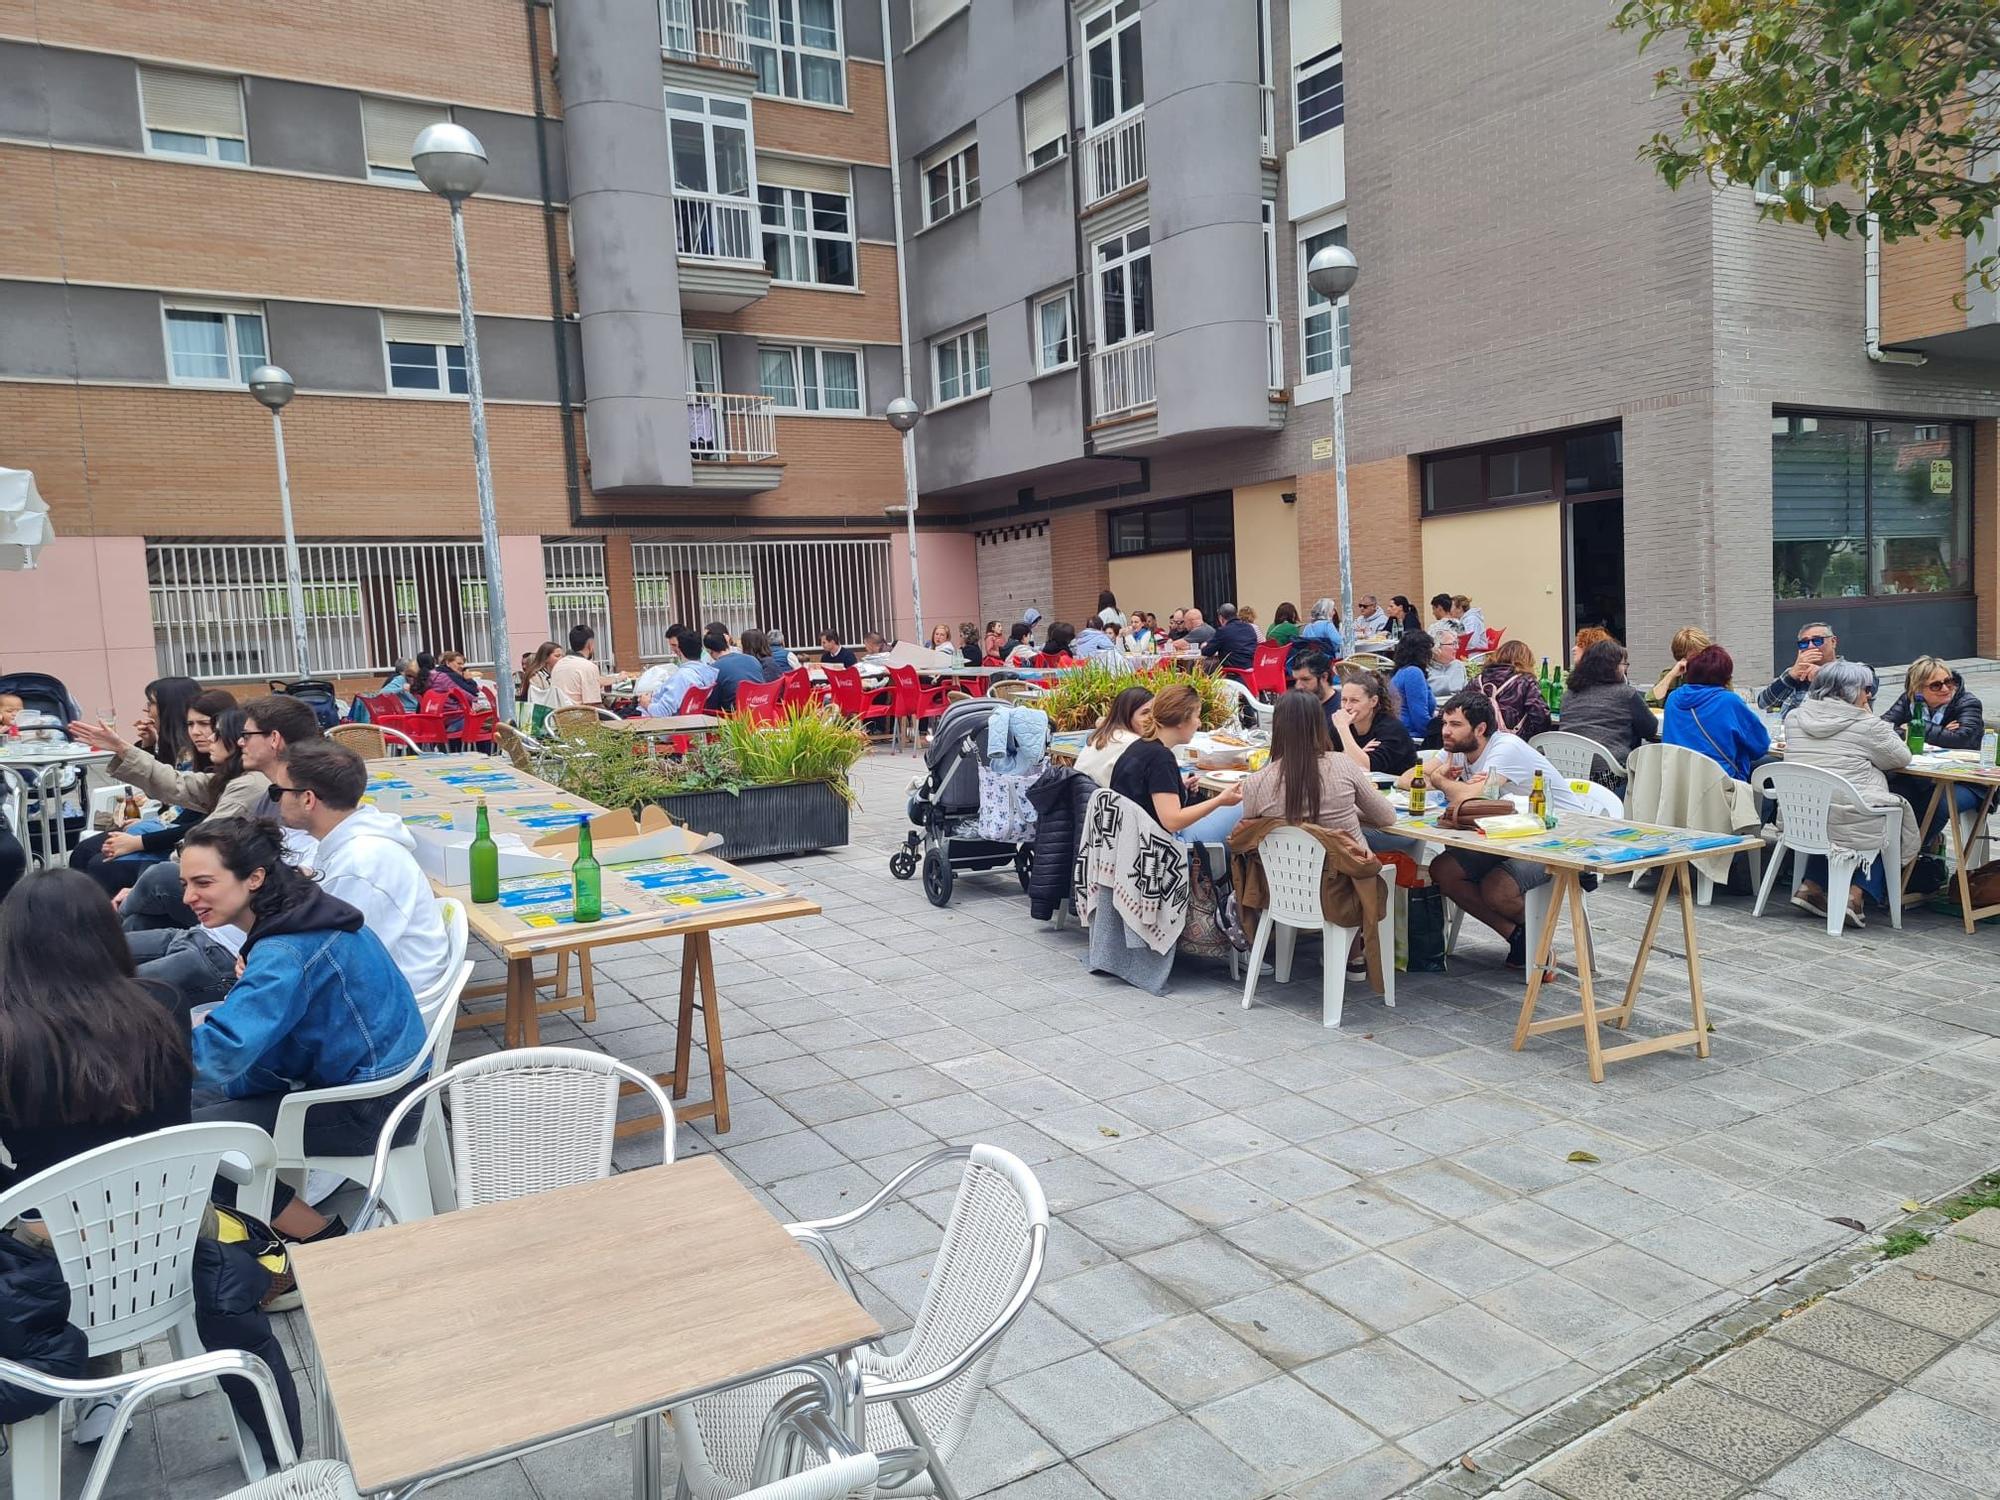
[[1612, 713], [242, 798]]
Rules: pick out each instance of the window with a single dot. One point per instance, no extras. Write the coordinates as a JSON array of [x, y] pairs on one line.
[[927, 15], [795, 45], [1867, 508], [710, 151], [1111, 49], [961, 365], [1774, 182], [951, 179], [1586, 464], [1124, 281], [1273, 326], [808, 236], [193, 114], [801, 377], [425, 353], [1323, 336], [1171, 526], [1055, 331], [389, 128], [213, 345], [1044, 122], [1322, 97]]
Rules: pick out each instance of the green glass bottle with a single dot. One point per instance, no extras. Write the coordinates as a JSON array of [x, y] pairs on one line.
[[586, 877], [1556, 691], [485, 857], [1920, 719]]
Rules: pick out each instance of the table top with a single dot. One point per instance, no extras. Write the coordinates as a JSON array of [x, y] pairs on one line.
[[48, 752], [1582, 842], [479, 1332], [668, 724], [1952, 765]]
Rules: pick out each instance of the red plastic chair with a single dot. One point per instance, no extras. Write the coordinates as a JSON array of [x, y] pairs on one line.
[[910, 699], [694, 701], [760, 702], [849, 697], [796, 686], [453, 716], [1267, 671]]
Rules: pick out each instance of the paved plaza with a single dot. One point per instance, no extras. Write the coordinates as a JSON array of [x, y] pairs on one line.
[[1288, 1261]]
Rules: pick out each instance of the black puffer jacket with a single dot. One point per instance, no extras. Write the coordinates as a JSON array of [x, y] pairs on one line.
[[35, 1329], [1060, 798]]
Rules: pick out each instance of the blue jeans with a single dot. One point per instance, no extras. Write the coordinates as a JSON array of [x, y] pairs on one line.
[[1874, 884], [1212, 827]]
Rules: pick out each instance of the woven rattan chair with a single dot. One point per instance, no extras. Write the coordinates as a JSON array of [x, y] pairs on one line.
[[373, 741]]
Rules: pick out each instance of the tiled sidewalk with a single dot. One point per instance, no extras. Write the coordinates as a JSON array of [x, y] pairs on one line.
[[1289, 1261]]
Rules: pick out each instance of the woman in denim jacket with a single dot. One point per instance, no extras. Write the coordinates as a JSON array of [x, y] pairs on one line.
[[318, 1002]]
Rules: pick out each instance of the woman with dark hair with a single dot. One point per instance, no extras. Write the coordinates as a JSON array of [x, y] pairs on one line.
[[1055, 648], [1107, 609], [1599, 704], [319, 1002], [114, 860], [1704, 714], [1020, 650], [1124, 722], [1365, 728], [1305, 782], [1410, 684], [1284, 625], [1509, 683]]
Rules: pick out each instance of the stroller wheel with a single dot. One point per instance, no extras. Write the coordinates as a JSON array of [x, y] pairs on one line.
[[903, 863], [1024, 865], [937, 877]]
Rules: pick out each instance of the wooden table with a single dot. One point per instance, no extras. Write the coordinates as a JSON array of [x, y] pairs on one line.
[[1568, 869], [1946, 775], [461, 1339], [702, 724]]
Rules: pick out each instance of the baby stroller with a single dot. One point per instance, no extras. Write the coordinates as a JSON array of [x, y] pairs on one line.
[[944, 806], [40, 692]]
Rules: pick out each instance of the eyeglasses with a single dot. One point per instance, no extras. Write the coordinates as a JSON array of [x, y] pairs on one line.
[[1813, 642], [260, 734], [277, 793], [1943, 684]]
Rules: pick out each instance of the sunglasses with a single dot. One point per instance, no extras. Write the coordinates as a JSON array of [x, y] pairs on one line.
[[1941, 685], [1813, 642], [276, 793]]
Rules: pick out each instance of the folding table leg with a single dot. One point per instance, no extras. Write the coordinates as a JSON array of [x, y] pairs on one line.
[[1695, 1001]]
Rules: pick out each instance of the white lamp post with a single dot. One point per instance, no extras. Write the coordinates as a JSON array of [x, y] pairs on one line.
[[450, 162], [1332, 274], [272, 386], [904, 414]]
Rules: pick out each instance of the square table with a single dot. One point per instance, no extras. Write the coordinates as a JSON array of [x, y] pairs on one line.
[[458, 1340], [1947, 771]]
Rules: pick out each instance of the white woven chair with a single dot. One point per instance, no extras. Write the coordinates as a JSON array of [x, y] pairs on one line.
[[122, 1221], [1576, 756], [1805, 796], [917, 1401], [1294, 862]]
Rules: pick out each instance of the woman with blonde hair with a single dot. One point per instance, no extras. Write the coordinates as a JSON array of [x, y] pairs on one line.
[[1125, 722], [1687, 641], [1953, 719], [1471, 623], [1149, 775]]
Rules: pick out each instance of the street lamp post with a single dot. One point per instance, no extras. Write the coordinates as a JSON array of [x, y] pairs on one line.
[[450, 162], [273, 387], [903, 415], [1332, 274]]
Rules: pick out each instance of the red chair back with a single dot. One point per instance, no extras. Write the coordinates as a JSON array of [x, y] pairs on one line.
[[849, 697], [1267, 671], [796, 686], [693, 701], [910, 699], [760, 702]]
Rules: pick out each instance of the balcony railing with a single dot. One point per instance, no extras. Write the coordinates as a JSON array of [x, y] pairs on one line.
[[1122, 377], [716, 228], [710, 32], [724, 429], [1114, 158], [1274, 337]]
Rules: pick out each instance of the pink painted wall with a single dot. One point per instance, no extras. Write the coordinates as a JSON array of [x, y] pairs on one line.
[[82, 614], [527, 594], [949, 566]]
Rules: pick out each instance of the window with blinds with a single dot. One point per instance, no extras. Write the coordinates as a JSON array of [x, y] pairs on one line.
[[927, 15], [425, 353], [389, 128], [194, 115], [1044, 122]]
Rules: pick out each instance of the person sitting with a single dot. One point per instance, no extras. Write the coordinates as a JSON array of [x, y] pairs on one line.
[[1704, 714], [693, 672], [1124, 723], [1233, 644], [1138, 632], [1322, 632], [1953, 719], [11, 705], [1177, 625], [1055, 650], [1402, 617], [734, 668], [1835, 729], [1096, 639], [1364, 726], [875, 648], [1599, 704], [1687, 640], [539, 689], [1441, 617], [319, 1003], [1108, 612], [364, 856], [833, 654], [575, 678], [1148, 773], [1196, 631], [780, 652], [1370, 619], [1587, 637], [1508, 678], [1410, 683], [116, 859], [757, 642], [1818, 647], [1284, 625], [1447, 672], [1483, 760], [1248, 616], [400, 685], [992, 645], [237, 788], [1470, 622], [451, 665], [945, 645]]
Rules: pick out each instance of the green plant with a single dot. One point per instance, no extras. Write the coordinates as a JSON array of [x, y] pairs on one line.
[[807, 743], [613, 769], [1080, 698], [709, 766], [1903, 1242], [1985, 1195]]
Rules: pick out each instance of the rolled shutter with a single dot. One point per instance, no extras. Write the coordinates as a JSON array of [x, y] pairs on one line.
[[927, 15], [1315, 28], [813, 176], [421, 328], [1044, 115], [391, 126], [192, 103]]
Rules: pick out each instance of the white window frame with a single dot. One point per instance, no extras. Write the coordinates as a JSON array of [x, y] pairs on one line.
[[805, 237], [238, 376], [1319, 387], [941, 11], [1066, 299], [965, 342], [1778, 179], [211, 144], [958, 159], [443, 391], [1055, 149], [1120, 15], [810, 358], [1129, 255], [796, 51], [709, 119], [1313, 67], [1269, 222]]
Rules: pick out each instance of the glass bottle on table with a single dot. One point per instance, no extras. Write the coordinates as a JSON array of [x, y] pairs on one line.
[[586, 878], [1418, 792], [1914, 731], [484, 856], [1538, 797]]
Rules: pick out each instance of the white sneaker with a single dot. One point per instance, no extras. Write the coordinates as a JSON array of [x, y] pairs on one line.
[[93, 1421]]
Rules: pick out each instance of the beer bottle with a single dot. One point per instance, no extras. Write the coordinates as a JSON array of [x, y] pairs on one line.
[[586, 877], [1538, 797], [1417, 793], [1920, 718], [485, 859]]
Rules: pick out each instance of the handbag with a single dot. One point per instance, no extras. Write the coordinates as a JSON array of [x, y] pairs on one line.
[[1466, 815], [1420, 928], [1005, 813], [1213, 929]]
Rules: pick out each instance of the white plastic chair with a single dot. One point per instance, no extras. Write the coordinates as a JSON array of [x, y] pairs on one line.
[[1576, 756], [1695, 770], [917, 1401], [1294, 862], [1805, 796], [1243, 695], [122, 1221]]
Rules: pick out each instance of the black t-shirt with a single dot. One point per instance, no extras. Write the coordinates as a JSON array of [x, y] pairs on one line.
[[1394, 753], [1146, 767]]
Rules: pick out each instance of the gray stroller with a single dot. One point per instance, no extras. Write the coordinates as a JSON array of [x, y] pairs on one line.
[[944, 807]]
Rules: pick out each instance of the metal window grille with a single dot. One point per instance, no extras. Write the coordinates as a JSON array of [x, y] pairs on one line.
[[220, 609], [798, 587], [573, 578]]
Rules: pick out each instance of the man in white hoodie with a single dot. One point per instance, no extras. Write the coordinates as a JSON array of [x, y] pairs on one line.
[[365, 856]]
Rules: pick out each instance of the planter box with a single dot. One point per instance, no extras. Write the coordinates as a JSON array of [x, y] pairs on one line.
[[764, 821]]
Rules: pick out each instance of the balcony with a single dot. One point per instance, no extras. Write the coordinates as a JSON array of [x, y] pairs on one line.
[[721, 252], [1122, 379], [707, 33], [1114, 158], [733, 441]]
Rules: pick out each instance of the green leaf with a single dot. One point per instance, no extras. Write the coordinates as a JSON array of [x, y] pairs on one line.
[[1582, 1156]]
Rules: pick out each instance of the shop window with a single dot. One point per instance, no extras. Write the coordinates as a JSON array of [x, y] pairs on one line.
[[1863, 508]]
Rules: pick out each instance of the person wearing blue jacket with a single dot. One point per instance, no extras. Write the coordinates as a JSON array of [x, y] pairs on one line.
[[1705, 714], [318, 1002], [1416, 704]]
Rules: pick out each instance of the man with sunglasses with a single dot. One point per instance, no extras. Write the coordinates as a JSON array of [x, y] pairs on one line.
[[1818, 646]]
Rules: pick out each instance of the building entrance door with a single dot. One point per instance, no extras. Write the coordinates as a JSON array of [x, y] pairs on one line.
[[1214, 578], [1597, 565]]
